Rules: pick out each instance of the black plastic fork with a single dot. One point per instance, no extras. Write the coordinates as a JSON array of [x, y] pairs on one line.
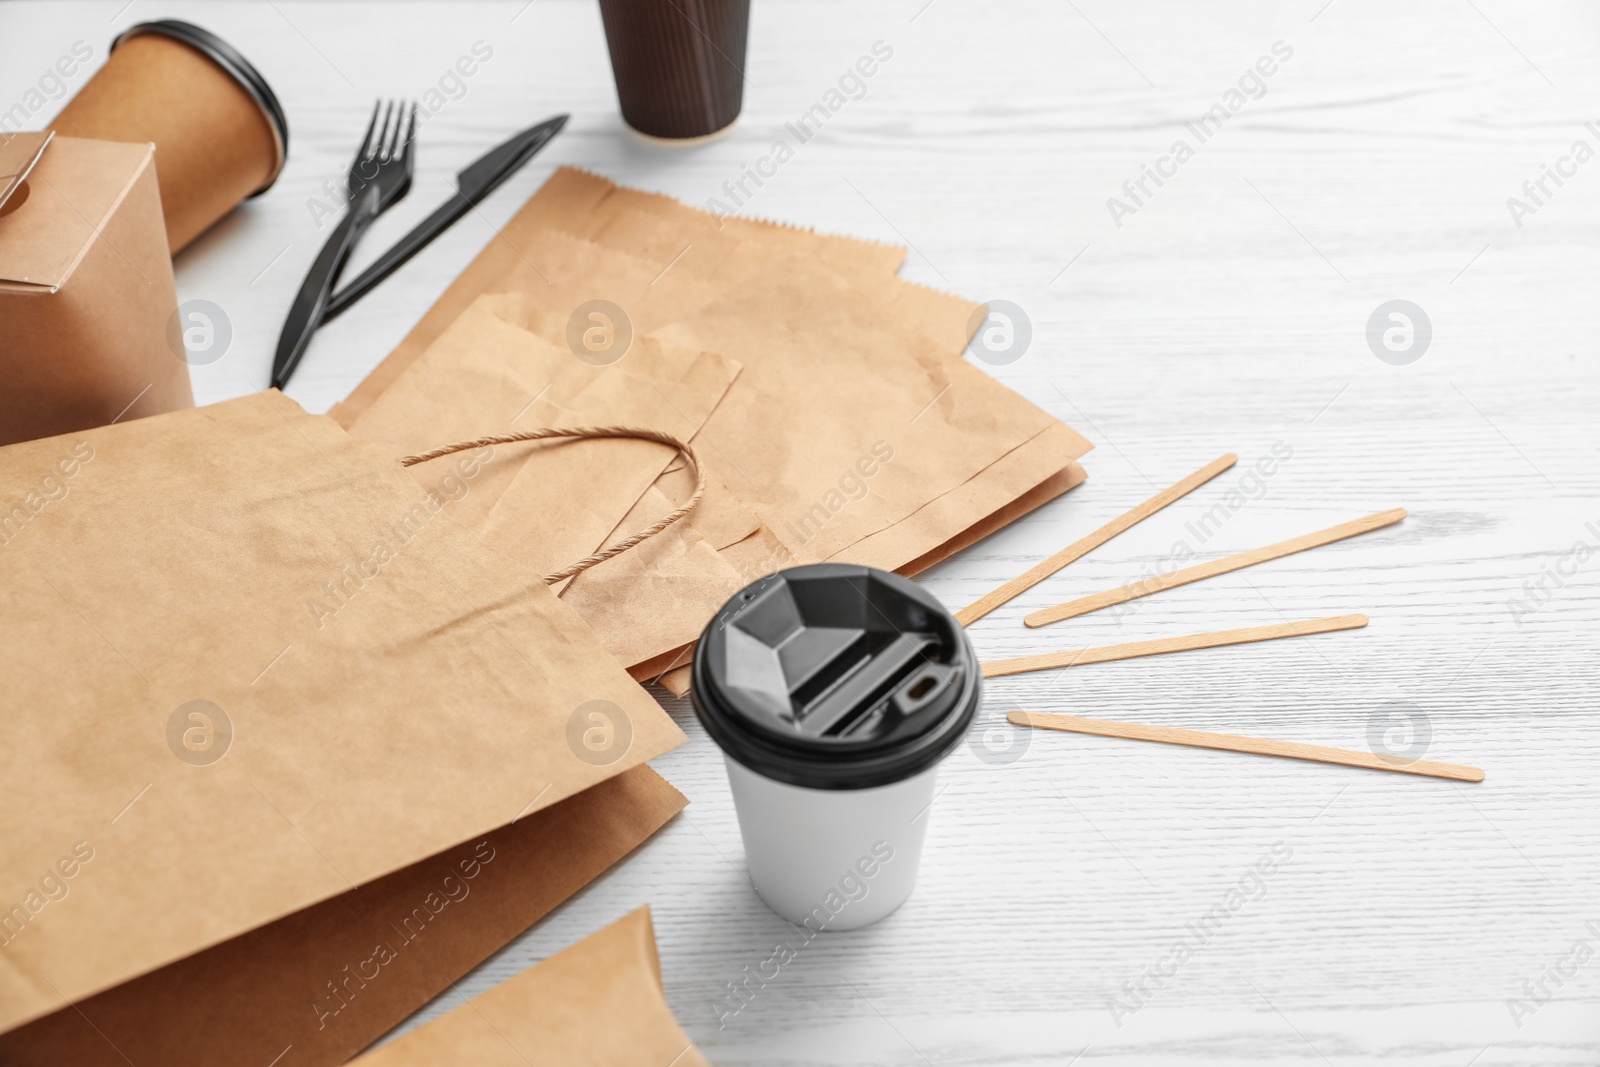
[[379, 177]]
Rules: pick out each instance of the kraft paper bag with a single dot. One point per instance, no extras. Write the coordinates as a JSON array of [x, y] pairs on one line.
[[674, 576], [803, 325], [800, 333], [314, 988], [585, 205], [841, 424], [639, 223], [653, 224], [944, 320], [599, 1003], [250, 666], [88, 333], [974, 446], [578, 202], [560, 503], [721, 549], [652, 232]]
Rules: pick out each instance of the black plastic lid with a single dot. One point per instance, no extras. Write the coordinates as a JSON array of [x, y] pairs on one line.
[[833, 676], [229, 59]]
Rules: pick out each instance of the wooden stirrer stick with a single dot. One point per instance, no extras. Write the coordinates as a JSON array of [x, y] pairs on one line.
[[1084, 545], [1134, 649], [1156, 583], [1260, 746]]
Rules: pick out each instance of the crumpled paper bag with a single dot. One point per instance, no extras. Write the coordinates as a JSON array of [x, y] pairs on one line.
[[251, 666]]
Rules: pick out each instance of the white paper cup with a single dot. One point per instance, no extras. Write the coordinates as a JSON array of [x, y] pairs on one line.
[[834, 692], [831, 859]]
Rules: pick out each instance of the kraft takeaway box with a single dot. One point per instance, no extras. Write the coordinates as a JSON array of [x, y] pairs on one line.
[[86, 290]]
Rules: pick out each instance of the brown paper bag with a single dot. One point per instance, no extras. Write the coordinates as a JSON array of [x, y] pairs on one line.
[[978, 447], [653, 224], [486, 373], [654, 232], [578, 202], [254, 666], [684, 575], [312, 989], [802, 326], [598, 1003], [816, 351]]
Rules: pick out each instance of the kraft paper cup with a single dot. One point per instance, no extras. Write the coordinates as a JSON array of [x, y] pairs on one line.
[[678, 64], [220, 134], [834, 692]]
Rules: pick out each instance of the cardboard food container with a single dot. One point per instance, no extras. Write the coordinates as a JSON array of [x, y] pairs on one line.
[[221, 136], [86, 288]]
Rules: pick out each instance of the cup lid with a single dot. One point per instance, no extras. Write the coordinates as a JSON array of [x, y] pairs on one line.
[[229, 59], [835, 676]]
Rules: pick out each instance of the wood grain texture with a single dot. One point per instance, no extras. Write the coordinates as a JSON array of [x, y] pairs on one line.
[[1260, 746], [1084, 545], [1155, 583], [1230, 312], [1162, 645]]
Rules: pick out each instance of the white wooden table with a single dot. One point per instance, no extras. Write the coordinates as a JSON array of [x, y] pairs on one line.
[[1227, 311]]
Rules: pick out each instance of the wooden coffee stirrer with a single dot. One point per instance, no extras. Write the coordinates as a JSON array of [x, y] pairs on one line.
[[1133, 649], [1084, 545], [1260, 746], [1156, 583]]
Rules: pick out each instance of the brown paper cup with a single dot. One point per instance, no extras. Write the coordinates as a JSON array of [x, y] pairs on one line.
[[679, 64], [220, 133]]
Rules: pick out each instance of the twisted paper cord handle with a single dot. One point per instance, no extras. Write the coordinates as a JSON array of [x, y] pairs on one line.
[[633, 432]]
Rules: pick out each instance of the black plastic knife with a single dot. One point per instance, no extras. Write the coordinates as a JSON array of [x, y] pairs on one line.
[[480, 178]]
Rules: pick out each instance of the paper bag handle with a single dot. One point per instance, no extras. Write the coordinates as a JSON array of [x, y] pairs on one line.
[[634, 432]]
